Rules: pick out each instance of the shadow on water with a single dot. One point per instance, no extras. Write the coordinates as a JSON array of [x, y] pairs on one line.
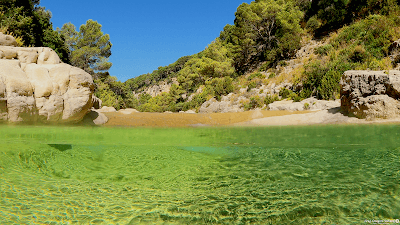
[[61, 147]]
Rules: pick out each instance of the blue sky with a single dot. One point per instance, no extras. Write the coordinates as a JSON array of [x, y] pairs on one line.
[[148, 34]]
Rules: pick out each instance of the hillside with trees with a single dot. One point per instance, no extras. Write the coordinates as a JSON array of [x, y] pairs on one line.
[[254, 51]]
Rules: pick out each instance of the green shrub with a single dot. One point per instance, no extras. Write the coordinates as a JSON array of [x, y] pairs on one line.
[[285, 93], [322, 80], [358, 54], [270, 99], [255, 102], [375, 33], [282, 63], [251, 85], [220, 86], [272, 75], [313, 23], [323, 50], [306, 106], [256, 75], [265, 66]]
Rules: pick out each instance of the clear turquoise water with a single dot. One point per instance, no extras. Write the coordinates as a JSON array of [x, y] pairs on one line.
[[281, 175]]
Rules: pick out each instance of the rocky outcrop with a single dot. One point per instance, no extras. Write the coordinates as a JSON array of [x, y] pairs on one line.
[[7, 40], [227, 104], [94, 117], [107, 109], [97, 103], [128, 111], [306, 104], [155, 90], [36, 86], [371, 94]]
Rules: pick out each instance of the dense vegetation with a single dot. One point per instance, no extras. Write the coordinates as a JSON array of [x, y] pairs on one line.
[[264, 36], [29, 22]]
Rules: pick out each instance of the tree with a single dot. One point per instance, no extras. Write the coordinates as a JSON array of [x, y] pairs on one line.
[[211, 63], [30, 22], [264, 30], [89, 48]]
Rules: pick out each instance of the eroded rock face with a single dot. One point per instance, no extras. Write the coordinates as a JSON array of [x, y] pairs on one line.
[[371, 94], [36, 86]]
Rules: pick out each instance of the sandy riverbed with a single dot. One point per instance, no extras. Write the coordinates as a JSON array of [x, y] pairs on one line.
[[249, 118]]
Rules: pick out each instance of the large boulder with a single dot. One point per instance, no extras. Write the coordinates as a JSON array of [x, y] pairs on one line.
[[371, 94], [36, 86]]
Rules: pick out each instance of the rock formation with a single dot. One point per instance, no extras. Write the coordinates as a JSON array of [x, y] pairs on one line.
[[306, 104], [7, 40], [371, 94], [36, 86]]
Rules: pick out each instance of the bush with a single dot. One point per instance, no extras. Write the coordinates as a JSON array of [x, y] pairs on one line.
[[255, 102], [313, 23], [270, 99], [358, 54], [285, 93], [251, 85], [256, 75], [322, 80], [221, 86], [272, 75], [323, 50]]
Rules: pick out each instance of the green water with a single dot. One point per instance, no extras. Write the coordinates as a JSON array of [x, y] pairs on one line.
[[280, 175]]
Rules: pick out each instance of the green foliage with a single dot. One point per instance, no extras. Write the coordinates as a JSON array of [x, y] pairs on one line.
[[374, 34], [323, 79], [313, 24], [324, 49], [108, 96], [306, 106], [264, 31], [25, 19], [144, 98], [251, 85], [272, 75], [213, 62], [287, 93], [334, 14], [220, 86], [89, 48], [256, 75], [358, 54], [255, 102], [362, 44], [162, 73], [160, 103], [270, 99]]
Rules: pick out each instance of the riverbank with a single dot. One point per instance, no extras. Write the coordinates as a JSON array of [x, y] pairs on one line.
[[248, 118]]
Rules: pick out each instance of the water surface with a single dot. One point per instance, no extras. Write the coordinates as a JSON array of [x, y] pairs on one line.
[[280, 175]]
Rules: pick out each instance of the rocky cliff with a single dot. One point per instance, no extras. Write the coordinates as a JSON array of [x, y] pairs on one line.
[[36, 86]]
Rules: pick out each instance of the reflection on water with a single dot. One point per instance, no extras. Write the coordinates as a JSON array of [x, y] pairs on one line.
[[281, 175]]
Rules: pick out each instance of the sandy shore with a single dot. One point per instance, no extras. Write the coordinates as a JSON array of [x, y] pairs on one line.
[[249, 118]]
